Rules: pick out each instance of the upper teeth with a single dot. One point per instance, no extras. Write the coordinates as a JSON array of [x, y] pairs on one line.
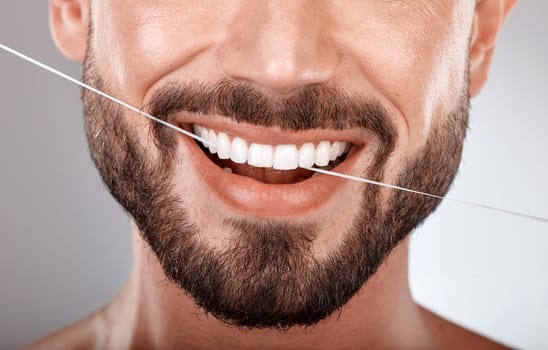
[[282, 157]]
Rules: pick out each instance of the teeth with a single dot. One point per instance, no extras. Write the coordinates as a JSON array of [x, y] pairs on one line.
[[238, 151], [203, 133], [335, 149], [286, 157], [307, 155], [196, 129], [322, 153], [223, 146], [281, 157], [212, 138], [261, 156], [345, 148]]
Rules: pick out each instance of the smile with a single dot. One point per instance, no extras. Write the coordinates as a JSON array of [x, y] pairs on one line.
[[260, 171], [244, 156], [281, 157]]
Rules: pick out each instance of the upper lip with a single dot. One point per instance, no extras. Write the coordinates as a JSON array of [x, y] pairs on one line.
[[272, 136]]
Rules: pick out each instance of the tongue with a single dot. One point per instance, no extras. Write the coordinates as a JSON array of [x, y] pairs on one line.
[[267, 175]]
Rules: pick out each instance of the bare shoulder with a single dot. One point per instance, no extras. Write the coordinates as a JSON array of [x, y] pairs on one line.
[[448, 335], [84, 334]]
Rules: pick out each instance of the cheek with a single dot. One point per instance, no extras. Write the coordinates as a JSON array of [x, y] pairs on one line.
[[138, 42], [446, 84], [416, 62], [420, 79]]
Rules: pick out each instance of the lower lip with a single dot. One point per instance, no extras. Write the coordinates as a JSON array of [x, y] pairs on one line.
[[249, 196]]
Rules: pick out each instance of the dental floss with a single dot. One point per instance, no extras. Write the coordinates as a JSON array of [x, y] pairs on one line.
[[460, 201], [99, 92], [198, 138]]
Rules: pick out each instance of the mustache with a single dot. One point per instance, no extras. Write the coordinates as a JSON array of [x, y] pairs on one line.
[[318, 106]]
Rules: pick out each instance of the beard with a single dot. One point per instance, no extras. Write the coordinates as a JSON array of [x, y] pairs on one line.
[[267, 276]]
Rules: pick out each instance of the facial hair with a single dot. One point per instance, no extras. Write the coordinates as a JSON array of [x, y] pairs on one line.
[[267, 277]]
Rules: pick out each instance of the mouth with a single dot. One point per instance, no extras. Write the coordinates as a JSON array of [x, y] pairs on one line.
[[270, 164], [263, 172]]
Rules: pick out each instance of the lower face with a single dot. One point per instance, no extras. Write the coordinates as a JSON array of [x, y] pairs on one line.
[[238, 224]]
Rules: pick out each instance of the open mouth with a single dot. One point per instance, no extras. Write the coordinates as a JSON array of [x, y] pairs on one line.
[[262, 172], [270, 164]]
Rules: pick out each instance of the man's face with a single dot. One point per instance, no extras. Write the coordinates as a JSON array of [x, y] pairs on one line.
[[377, 89]]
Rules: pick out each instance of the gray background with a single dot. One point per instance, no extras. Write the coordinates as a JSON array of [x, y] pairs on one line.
[[65, 244]]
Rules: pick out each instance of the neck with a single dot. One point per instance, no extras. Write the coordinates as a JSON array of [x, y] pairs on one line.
[[152, 312]]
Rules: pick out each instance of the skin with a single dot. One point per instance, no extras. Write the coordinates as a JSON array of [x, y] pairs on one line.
[[409, 55]]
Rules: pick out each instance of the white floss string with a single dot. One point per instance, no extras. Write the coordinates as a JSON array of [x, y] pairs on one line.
[[477, 205], [198, 138], [99, 92]]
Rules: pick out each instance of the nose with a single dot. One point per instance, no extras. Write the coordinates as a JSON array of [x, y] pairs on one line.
[[278, 45]]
